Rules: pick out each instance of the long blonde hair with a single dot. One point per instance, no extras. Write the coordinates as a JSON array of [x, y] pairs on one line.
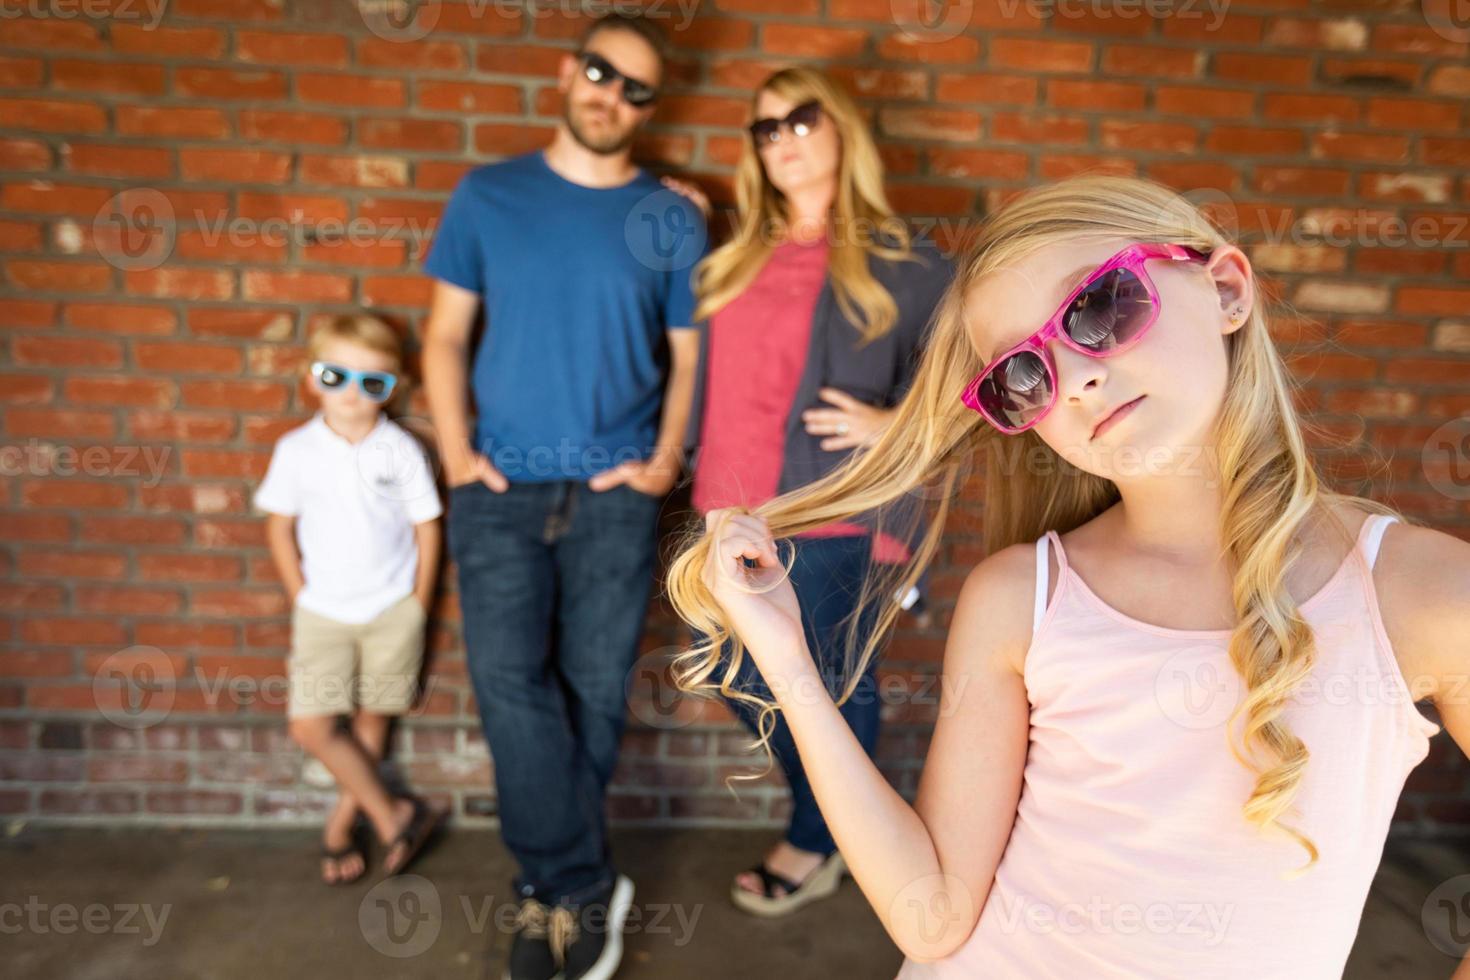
[[1269, 483], [862, 221]]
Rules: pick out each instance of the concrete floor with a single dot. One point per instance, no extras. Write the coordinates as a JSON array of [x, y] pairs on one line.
[[84, 904]]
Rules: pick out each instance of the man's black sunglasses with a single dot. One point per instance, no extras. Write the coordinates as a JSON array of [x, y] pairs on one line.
[[801, 120], [636, 93]]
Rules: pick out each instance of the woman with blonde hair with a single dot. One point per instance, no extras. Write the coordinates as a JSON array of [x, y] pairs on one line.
[[816, 307], [1177, 708]]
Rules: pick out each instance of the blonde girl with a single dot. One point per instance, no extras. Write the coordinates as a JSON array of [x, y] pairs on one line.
[[1177, 706]]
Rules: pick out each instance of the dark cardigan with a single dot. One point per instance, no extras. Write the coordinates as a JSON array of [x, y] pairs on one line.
[[878, 373]]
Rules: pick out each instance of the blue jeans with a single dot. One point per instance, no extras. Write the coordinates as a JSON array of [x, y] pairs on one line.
[[554, 582], [827, 576]]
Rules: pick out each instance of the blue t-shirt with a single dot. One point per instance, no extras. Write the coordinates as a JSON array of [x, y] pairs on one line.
[[579, 285]]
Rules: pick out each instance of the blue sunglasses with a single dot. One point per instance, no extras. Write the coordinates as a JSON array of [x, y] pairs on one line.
[[376, 385]]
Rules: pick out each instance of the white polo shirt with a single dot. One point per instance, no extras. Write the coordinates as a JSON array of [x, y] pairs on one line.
[[355, 508]]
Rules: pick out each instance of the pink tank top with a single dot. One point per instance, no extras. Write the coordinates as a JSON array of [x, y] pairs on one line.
[[1130, 856]]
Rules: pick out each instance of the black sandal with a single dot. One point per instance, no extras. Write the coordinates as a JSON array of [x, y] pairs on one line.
[[415, 834], [353, 846], [821, 882]]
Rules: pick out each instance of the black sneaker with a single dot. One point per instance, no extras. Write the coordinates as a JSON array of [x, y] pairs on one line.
[[594, 942], [530, 950]]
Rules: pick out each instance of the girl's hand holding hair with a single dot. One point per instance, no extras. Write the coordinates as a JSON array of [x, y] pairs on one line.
[[759, 601]]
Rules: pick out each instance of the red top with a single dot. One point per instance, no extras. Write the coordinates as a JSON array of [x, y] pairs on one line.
[[758, 345]]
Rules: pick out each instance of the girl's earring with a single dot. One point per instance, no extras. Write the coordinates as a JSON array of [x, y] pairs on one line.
[[1238, 315]]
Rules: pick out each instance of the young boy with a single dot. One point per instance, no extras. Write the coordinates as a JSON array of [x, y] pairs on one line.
[[353, 526]]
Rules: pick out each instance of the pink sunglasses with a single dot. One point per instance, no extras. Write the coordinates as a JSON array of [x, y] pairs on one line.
[[1108, 313]]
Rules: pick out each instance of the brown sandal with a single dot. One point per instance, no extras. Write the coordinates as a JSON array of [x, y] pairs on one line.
[[414, 835]]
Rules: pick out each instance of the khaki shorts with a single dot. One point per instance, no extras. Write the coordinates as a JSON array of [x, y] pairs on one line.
[[336, 666]]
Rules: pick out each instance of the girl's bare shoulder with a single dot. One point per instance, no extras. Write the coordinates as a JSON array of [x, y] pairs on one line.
[[1422, 578], [992, 616]]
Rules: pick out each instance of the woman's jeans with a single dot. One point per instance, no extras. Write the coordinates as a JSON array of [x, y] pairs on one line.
[[554, 580], [827, 576]]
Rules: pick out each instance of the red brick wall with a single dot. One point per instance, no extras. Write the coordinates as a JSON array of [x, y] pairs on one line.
[[295, 120]]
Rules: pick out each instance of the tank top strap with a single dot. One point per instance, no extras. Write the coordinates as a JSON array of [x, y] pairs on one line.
[[1043, 575], [1370, 538], [1043, 568]]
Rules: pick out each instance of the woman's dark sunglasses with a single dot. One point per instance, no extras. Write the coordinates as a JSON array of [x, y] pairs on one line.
[[599, 72], [801, 121]]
